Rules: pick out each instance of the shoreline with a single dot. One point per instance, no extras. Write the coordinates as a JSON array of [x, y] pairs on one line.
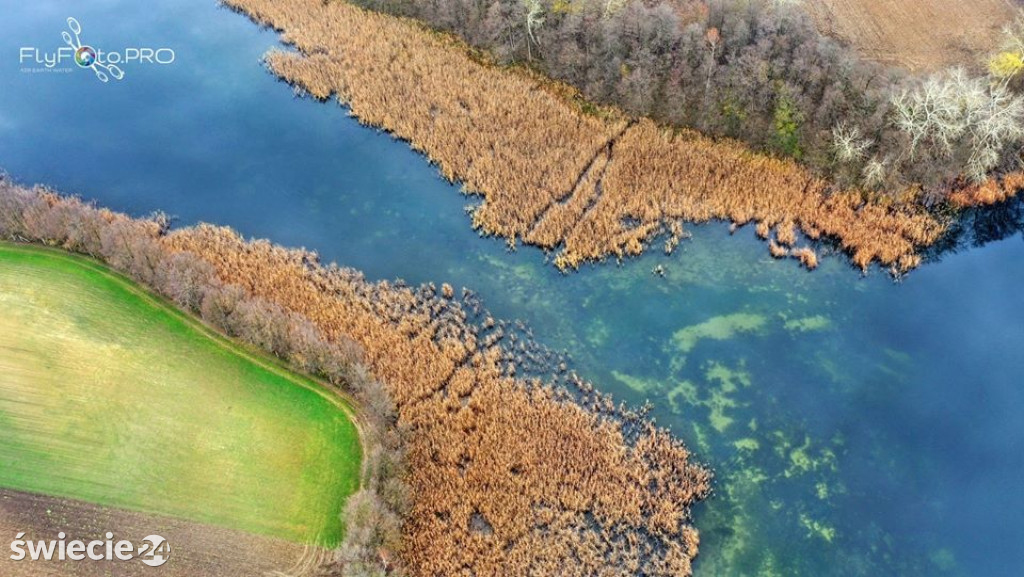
[[466, 116], [204, 338], [505, 474]]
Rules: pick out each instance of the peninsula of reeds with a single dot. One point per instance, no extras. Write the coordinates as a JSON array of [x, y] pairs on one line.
[[500, 476], [559, 173]]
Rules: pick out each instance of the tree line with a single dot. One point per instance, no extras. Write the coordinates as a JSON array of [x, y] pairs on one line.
[[759, 71], [468, 467], [373, 516], [586, 183]]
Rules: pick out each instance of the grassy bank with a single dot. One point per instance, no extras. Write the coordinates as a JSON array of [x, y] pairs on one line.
[[108, 395], [469, 468], [508, 476]]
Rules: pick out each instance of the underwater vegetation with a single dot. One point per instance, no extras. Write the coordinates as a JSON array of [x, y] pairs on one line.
[[505, 474]]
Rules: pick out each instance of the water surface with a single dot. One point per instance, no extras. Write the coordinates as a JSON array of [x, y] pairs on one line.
[[857, 426]]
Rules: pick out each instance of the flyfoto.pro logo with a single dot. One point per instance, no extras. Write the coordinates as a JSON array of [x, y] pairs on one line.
[[106, 64], [152, 550]]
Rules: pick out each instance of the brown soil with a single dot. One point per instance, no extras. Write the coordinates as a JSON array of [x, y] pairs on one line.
[[196, 549], [506, 476], [921, 35]]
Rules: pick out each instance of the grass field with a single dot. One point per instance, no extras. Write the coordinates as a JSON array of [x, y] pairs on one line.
[[110, 396], [921, 35]]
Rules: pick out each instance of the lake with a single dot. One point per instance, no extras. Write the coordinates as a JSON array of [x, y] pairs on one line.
[[857, 426]]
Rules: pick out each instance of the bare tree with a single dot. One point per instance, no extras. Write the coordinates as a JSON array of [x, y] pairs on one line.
[[613, 6], [849, 144], [534, 12], [953, 115], [713, 37], [129, 246], [184, 278], [14, 203], [874, 173], [219, 305]]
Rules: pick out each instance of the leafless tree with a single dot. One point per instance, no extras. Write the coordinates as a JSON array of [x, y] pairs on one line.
[[185, 279], [129, 246], [612, 6], [849, 143], [534, 13], [875, 172], [14, 203], [219, 306], [952, 114]]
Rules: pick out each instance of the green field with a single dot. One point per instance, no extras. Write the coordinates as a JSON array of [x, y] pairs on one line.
[[111, 396]]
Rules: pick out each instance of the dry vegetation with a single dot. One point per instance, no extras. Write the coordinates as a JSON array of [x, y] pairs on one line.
[[761, 72], [992, 191], [589, 185], [504, 476], [921, 35], [509, 478]]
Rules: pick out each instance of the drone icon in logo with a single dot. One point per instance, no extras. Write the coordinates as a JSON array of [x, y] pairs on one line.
[[85, 56]]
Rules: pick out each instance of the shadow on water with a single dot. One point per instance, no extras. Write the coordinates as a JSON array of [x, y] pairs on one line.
[[977, 227]]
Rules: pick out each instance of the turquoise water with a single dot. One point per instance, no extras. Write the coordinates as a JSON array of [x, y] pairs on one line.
[[857, 426]]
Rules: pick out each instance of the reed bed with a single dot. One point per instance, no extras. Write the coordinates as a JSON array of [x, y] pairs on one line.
[[506, 134], [683, 175], [507, 476], [551, 174], [492, 475], [992, 191]]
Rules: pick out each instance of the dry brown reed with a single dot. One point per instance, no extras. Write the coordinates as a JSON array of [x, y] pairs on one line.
[[507, 134], [551, 174], [992, 191], [806, 256], [683, 175], [508, 477], [777, 250], [505, 476]]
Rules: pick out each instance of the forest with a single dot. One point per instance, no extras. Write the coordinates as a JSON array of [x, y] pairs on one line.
[[759, 71], [469, 468]]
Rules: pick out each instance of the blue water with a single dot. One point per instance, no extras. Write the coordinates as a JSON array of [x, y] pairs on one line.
[[857, 426]]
